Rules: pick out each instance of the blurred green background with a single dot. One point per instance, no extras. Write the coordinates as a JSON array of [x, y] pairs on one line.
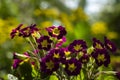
[[83, 19]]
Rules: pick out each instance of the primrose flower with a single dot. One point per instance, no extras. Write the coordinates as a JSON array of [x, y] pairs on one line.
[[57, 54], [24, 32], [77, 46], [84, 58], [72, 67], [57, 32], [109, 45], [97, 44], [27, 31], [62, 62], [44, 42], [101, 57], [67, 55], [47, 65], [15, 32]]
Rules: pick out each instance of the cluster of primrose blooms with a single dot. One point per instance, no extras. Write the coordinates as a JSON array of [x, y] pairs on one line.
[[68, 62]]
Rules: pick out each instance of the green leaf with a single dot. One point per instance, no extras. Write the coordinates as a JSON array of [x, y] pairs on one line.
[[106, 77], [103, 68], [26, 71], [110, 78], [82, 75], [53, 77]]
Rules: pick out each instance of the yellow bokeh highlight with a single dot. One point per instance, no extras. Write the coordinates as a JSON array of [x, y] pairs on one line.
[[64, 18], [78, 14], [46, 24], [37, 12], [52, 12], [2, 22], [112, 35], [67, 20], [99, 28], [6, 26]]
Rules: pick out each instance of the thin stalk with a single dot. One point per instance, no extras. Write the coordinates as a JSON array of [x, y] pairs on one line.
[[31, 43], [91, 70], [104, 72], [34, 41]]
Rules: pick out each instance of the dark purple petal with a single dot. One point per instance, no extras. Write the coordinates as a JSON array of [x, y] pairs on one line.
[[118, 75], [57, 54], [15, 32], [44, 42], [77, 46], [110, 45], [57, 32], [14, 55], [47, 65], [97, 44], [27, 31], [84, 58], [72, 67], [16, 63], [101, 57]]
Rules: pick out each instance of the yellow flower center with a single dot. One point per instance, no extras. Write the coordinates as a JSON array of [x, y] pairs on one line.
[[67, 53], [98, 46], [50, 65], [71, 67], [56, 55], [36, 34], [110, 46], [101, 57], [84, 60], [27, 31], [44, 43], [56, 31], [77, 47], [17, 32]]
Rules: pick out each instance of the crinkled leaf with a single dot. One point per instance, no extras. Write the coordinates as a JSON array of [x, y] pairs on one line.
[[53, 77], [26, 71]]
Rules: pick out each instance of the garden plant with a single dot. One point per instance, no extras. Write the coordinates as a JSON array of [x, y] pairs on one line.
[[50, 59]]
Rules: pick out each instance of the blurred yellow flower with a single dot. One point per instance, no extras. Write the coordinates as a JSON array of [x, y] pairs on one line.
[[99, 28], [64, 18], [52, 12], [6, 26], [2, 31], [37, 12], [79, 14], [73, 17], [112, 35], [46, 24], [2, 22]]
